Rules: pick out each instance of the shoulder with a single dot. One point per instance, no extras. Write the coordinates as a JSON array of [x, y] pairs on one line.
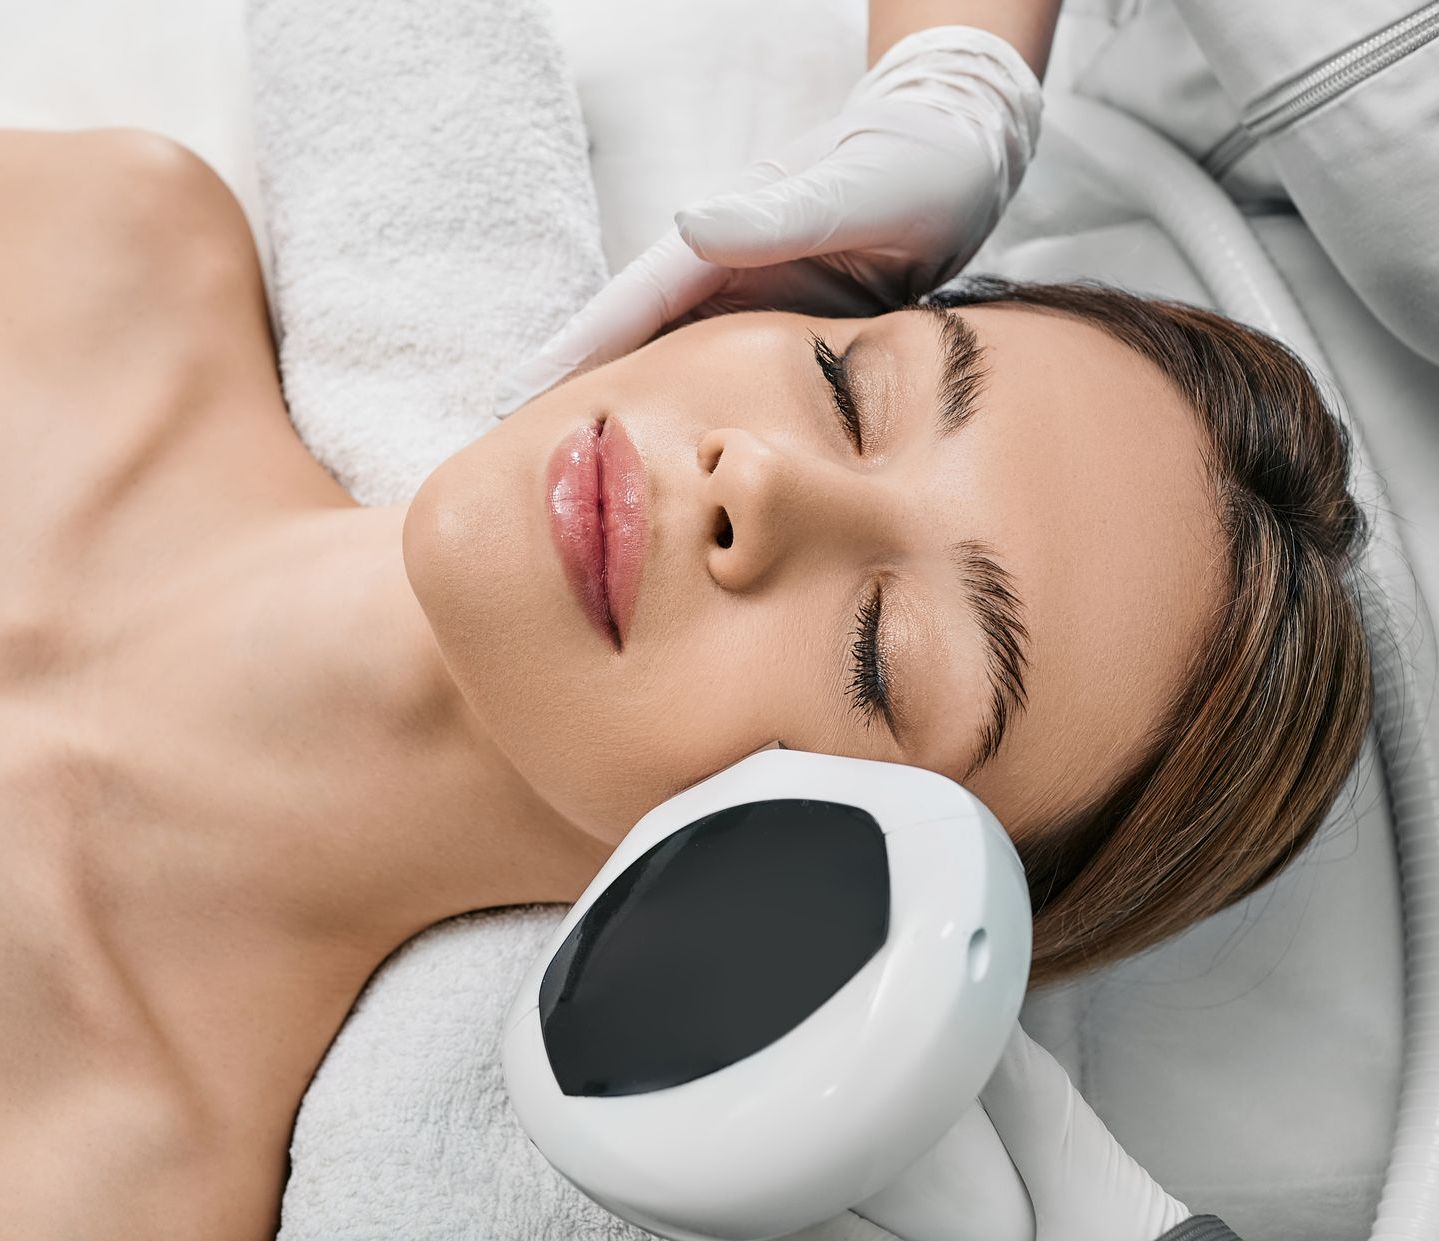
[[108, 237]]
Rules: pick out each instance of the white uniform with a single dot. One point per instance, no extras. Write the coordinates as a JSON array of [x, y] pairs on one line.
[[1331, 106]]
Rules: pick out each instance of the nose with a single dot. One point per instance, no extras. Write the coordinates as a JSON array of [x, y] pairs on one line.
[[770, 503]]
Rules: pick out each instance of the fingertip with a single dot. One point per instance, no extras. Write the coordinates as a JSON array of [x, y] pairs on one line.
[[521, 384], [508, 398], [694, 224], [730, 231]]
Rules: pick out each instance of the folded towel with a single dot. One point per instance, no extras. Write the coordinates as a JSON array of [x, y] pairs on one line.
[[425, 174], [432, 219], [406, 1132]]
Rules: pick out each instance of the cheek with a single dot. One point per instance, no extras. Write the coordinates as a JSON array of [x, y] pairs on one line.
[[606, 747], [604, 737], [601, 737]]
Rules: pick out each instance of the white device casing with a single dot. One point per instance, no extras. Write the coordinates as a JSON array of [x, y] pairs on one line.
[[834, 1110]]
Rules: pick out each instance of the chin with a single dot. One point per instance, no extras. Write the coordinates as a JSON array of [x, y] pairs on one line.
[[479, 559], [464, 545]]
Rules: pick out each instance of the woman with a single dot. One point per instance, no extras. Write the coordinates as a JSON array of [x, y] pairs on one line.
[[895, 193], [255, 736]]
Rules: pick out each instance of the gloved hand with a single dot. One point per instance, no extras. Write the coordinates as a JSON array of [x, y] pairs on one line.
[[1082, 1184], [859, 215]]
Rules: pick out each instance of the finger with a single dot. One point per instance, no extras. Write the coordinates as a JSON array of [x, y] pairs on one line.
[[1076, 1171], [661, 284], [1041, 1117], [792, 218], [877, 189], [1032, 1104]]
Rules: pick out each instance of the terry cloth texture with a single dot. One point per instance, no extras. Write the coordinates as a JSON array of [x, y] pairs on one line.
[[426, 181]]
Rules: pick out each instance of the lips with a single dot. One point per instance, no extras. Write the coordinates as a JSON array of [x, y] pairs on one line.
[[596, 496]]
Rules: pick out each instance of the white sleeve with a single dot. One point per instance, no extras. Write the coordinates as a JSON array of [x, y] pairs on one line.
[[1345, 98]]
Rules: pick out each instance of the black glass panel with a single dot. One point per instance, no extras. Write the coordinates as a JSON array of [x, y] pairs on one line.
[[716, 942]]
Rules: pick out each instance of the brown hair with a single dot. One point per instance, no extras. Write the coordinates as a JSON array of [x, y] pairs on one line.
[[1240, 773]]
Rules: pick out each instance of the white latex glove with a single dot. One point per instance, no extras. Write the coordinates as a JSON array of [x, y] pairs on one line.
[[858, 215], [1082, 1184]]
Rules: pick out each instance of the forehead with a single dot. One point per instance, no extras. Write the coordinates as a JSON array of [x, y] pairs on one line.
[[1084, 468]]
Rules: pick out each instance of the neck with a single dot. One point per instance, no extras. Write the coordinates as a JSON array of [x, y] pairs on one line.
[[362, 799]]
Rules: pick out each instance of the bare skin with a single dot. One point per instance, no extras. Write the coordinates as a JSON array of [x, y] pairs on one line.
[[254, 737], [163, 523]]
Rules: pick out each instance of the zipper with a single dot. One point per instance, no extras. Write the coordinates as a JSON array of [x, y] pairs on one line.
[[1295, 99]]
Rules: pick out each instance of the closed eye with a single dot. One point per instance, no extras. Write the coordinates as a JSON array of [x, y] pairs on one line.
[[868, 688], [834, 368], [870, 676]]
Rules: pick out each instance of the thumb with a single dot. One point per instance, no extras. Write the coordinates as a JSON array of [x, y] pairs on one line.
[[1084, 1185], [1032, 1103], [793, 218], [660, 285]]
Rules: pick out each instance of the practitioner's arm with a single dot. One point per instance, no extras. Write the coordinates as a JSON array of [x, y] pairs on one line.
[[1026, 25]]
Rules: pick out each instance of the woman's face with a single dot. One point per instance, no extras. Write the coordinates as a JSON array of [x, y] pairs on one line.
[[1077, 471]]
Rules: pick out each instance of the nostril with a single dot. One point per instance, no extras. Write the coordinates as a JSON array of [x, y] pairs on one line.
[[723, 532]]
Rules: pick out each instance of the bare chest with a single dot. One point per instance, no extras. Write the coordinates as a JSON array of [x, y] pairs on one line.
[[105, 511]]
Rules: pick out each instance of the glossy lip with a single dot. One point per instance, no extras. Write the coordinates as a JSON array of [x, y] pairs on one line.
[[625, 502], [596, 497]]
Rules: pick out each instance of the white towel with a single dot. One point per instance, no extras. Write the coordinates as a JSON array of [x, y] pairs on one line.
[[432, 218]]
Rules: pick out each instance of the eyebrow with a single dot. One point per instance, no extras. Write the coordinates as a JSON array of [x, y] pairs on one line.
[[1000, 613], [989, 587], [962, 372]]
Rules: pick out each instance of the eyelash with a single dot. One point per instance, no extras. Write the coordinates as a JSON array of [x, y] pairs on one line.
[[868, 685], [831, 366]]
